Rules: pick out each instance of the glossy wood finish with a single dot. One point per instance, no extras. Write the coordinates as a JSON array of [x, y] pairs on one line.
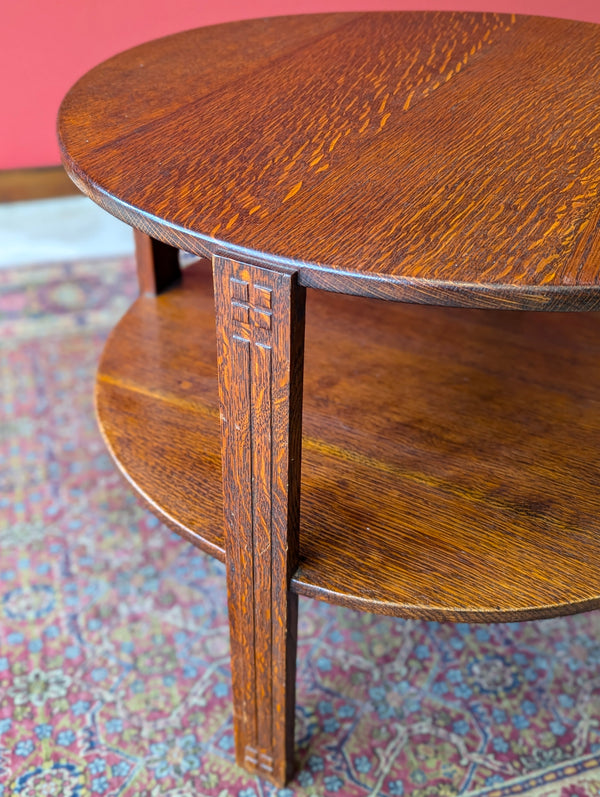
[[431, 157], [450, 457], [260, 344]]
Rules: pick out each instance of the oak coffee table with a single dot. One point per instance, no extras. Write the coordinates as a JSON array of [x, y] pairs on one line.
[[447, 163]]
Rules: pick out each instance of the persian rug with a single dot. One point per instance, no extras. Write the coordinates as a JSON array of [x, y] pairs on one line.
[[114, 651]]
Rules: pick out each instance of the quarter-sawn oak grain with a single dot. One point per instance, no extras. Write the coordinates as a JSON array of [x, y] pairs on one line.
[[260, 345], [450, 457], [432, 157]]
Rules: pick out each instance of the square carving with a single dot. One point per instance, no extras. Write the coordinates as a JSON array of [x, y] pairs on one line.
[[262, 319], [239, 290], [240, 313], [265, 762], [262, 297]]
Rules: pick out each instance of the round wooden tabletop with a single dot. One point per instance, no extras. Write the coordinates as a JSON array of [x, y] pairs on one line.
[[448, 158]]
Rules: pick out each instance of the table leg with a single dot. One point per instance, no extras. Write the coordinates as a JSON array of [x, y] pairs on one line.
[[260, 345], [157, 264]]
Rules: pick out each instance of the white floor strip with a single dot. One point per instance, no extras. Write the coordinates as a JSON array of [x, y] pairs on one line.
[[51, 230]]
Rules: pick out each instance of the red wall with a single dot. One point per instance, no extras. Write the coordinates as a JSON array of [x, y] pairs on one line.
[[45, 47]]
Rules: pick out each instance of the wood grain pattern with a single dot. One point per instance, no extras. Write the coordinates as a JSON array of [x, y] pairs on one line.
[[450, 466], [439, 158], [260, 341], [432, 157]]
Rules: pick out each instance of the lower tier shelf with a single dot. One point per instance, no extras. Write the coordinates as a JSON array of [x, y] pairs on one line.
[[450, 457]]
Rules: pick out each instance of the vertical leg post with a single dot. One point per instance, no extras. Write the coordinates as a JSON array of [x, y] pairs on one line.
[[157, 264], [260, 345]]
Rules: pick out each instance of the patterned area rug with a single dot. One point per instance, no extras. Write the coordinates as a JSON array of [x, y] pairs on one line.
[[114, 665]]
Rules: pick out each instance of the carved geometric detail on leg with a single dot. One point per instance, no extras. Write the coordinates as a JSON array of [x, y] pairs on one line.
[[260, 340], [251, 303]]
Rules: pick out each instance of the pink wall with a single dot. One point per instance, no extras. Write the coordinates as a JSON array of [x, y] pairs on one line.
[[45, 47]]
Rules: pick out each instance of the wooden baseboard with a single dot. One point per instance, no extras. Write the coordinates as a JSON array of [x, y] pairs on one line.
[[17, 185]]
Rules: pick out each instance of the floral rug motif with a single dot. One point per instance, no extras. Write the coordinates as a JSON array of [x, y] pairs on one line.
[[114, 650]]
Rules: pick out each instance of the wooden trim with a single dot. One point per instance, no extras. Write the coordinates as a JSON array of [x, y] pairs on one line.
[[17, 185]]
